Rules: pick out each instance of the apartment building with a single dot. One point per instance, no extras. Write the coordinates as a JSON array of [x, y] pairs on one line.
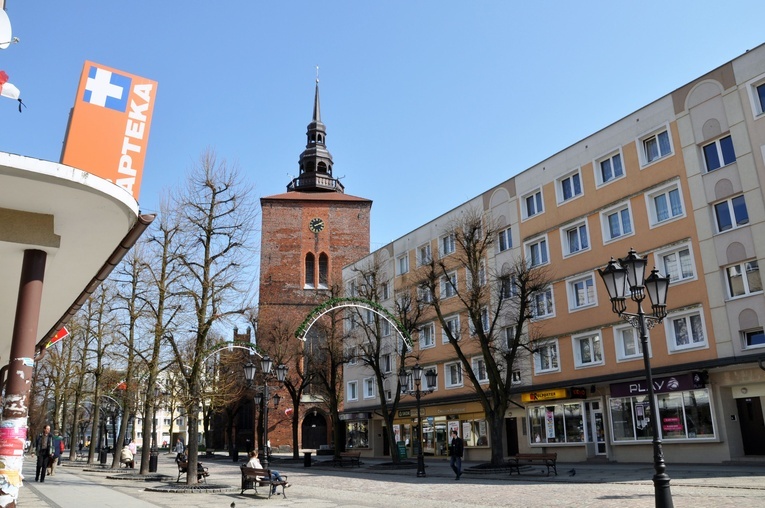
[[678, 181]]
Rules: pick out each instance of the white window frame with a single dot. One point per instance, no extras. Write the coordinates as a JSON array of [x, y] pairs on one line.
[[719, 151], [385, 327], [660, 262], [565, 239], [541, 243], [447, 244], [424, 255], [504, 240], [424, 295], [449, 290], [643, 142], [386, 363], [355, 390], [666, 191], [744, 339], [598, 167], [606, 225], [402, 264], [742, 268], [453, 323], [475, 364], [687, 316], [591, 300], [538, 349], [447, 377], [549, 297], [758, 105], [571, 176], [732, 213], [425, 331], [517, 377], [385, 290], [537, 199], [621, 350], [369, 382], [595, 341]]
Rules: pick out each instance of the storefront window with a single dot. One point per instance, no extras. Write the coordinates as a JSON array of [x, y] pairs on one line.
[[556, 423], [475, 433], [357, 433], [682, 415]]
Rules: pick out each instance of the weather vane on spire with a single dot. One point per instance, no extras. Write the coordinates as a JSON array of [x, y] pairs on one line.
[[317, 74]]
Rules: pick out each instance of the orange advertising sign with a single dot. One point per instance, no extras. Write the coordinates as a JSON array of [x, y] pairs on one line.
[[109, 129]]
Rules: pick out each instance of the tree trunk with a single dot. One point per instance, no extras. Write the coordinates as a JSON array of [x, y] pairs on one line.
[[497, 428]]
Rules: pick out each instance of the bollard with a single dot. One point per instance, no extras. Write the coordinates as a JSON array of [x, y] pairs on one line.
[[306, 459], [153, 459]]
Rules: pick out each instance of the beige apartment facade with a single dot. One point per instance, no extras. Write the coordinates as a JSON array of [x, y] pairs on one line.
[[678, 181]]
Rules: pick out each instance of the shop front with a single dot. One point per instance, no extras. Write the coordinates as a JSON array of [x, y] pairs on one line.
[[357, 430]]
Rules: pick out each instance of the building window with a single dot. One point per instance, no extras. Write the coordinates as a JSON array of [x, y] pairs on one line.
[[508, 286], [665, 204], [682, 415], [754, 339], [758, 92], [385, 325], [448, 245], [427, 336], [517, 376], [582, 293], [536, 252], [357, 432], [677, 263], [353, 393], [484, 322], [575, 239], [533, 204], [403, 264], [423, 255], [310, 271], [453, 374], [686, 332], [385, 290], [323, 271], [369, 387], [610, 168], [353, 354], [731, 213], [743, 279], [424, 294], [569, 187], [449, 285], [546, 357], [656, 146], [719, 153], [628, 344], [617, 223], [504, 240], [453, 325], [542, 304], [479, 369], [588, 350], [556, 423]]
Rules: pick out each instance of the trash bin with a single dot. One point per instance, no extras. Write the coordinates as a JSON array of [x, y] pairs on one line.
[[153, 459], [102, 455], [235, 455], [306, 459]]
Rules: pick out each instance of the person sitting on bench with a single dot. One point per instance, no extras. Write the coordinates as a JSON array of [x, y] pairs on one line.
[[275, 475]]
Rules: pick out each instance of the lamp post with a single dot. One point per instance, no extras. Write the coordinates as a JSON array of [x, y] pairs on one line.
[[619, 276], [403, 379], [249, 374]]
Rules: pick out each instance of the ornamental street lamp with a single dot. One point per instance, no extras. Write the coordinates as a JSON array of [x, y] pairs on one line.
[[619, 276], [403, 379], [262, 396]]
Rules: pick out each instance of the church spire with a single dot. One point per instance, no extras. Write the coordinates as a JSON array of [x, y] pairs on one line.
[[316, 161]]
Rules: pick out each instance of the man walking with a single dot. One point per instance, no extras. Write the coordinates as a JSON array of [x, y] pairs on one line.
[[456, 449], [44, 451]]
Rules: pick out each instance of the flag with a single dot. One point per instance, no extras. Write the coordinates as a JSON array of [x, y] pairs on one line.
[[9, 90], [59, 334]]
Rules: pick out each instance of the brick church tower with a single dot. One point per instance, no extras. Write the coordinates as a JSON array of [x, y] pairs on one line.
[[308, 234]]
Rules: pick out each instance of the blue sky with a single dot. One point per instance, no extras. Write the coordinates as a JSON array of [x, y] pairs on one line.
[[427, 103]]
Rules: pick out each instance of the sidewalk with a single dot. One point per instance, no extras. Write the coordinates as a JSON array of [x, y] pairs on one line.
[[78, 486]]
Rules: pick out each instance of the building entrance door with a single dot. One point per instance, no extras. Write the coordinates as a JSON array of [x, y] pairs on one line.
[[596, 434], [752, 425]]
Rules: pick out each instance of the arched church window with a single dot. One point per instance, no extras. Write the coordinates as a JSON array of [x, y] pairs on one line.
[[323, 271], [310, 271]]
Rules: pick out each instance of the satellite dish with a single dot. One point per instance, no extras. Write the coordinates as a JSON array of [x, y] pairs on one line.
[[5, 30]]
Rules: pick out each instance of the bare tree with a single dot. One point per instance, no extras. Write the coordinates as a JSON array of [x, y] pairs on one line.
[[500, 307], [217, 216]]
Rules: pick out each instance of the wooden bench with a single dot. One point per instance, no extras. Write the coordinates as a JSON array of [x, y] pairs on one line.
[[351, 458], [526, 459], [253, 478], [81, 455], [183, 468]]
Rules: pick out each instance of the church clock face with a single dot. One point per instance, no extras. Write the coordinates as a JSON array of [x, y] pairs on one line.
[[316, 225]]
